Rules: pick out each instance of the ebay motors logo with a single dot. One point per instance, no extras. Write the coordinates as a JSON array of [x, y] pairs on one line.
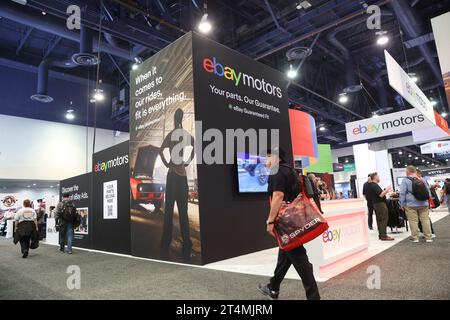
[[107, 165], [331, 235], [343, 233], [389, 124], [212, 65]]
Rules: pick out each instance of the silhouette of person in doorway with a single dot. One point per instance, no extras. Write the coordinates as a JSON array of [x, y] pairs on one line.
[[177, 184]]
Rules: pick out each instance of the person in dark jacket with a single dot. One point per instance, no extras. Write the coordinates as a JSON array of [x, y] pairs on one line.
[[369, 203], [65, 228], [26, 227], [316, 191]]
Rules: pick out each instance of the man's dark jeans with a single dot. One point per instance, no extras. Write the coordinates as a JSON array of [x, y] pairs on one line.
[[66, 236], [370, 213], [176, 191], [299, 259]]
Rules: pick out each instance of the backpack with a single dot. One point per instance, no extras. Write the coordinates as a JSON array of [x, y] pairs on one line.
[[69, 212], [419, 189]]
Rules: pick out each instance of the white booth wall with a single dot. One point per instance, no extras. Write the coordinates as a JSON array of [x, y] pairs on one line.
[[36, 149]]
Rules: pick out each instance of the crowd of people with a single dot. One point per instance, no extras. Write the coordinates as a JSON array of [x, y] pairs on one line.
[[29, 225], [416, 197]]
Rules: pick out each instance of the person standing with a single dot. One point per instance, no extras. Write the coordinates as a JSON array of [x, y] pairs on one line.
[[316, 192], [446, 193], [26, 226], [433, 196], [284, 185], [40, 213], [369, 203], [377, 197], [177, 185], [414, 195], [66, 216]]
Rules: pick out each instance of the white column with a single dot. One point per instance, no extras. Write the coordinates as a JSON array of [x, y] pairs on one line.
[[365, 164]]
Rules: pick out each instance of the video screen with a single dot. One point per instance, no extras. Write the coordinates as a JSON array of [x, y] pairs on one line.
[[253, 176]]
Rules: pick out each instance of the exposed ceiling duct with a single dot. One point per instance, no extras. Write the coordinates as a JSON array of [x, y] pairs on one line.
[[42, 83], [53, 25], [413, 28], [85, 57], [352, 84]]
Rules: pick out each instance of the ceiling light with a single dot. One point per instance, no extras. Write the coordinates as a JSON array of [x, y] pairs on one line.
[[291, 73], [382, 39], [343, 98], [134, 66], [433, 102], [34, 184], [423, 160], [98, 95], [28, 186], [51, 186], [444, 114], [416, 158], [346, 160], [428, 162], [204, 26], [446, 160], [406, 165], [322, 128], [409, 156], [303, 5], [375, 116], [70, 116], [400, 152], [44, 13]]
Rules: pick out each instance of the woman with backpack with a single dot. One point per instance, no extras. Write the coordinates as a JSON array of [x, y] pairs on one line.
[[414, 196]]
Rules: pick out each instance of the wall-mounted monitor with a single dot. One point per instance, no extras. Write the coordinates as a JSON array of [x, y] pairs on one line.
[[253, 176]]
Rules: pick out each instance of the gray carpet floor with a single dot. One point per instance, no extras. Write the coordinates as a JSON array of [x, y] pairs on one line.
[[408, 271]]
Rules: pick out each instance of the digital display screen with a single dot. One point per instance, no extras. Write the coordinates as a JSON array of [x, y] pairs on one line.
[[253, 176]]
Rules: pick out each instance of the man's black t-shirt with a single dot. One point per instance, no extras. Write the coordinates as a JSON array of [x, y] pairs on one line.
[[373, 191], [286, 181], [365, 185]]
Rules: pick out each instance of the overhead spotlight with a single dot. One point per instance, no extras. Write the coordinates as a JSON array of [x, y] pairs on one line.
[[446, 160], [400, 152], [423, 160], [204, 26], [343, 98], [291, 73], [137, 62], [406, 165], [134, 66], [70, 114], [44, 13], [303, 5], [416, 158], [382, 39], [51, 186], [34, 184], [322, 128], [374, 115], [413, 77], [409, 156], [444, 114], [28, 186], [433, 102], [399, 162], [346, 160], [98, 95]]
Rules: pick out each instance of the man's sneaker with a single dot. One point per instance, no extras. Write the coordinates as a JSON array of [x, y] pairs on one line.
[[273, 295], [386, 238], [414, 240], [429, 241]]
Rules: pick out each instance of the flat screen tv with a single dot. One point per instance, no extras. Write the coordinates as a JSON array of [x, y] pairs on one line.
[[252, 173]]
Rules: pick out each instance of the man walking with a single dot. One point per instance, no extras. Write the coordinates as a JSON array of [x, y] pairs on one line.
[[414, 195], [66, 217], [369, 203], [284, 185], [377, 197]]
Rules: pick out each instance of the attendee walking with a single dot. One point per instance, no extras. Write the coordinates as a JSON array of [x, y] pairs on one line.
[[377, 197], [414, 195], [284, 185], [432, 198], [26, 227], [316, 192], [369, 203], [446, 193], [66, 217]]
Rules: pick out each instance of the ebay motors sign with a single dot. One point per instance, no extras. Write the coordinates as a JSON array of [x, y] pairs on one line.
[[403, 84], [386, 125]]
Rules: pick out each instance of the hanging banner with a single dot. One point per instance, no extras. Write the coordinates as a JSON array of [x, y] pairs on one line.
[[435, 147], [402, 83], [441, 25], [110, 200], [386, 125]]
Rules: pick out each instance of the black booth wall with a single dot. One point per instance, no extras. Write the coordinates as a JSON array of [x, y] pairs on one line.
[[112, 235], [233, 224], [80, 191]]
